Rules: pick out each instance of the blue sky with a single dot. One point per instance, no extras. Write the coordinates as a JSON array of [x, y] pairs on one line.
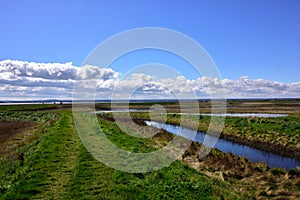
[[259, 39]]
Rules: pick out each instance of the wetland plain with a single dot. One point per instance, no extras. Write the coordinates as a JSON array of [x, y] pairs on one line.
[[43, 157]]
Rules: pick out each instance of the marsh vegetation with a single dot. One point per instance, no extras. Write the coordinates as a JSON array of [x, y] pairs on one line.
[[57, 166]]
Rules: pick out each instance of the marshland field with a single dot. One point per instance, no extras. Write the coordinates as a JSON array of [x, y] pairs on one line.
[[258, 157]]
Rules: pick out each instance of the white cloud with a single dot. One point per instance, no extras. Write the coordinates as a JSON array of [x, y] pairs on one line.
[[21, 80], [249, 88], [92, 72]]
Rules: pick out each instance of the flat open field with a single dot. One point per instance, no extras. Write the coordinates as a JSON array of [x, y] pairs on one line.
[[42, 156], [289, 106]]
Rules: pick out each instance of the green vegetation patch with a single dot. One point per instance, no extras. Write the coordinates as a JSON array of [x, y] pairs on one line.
[[57, 166]]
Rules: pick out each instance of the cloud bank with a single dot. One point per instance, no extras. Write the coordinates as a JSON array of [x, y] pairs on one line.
[[20, 80]]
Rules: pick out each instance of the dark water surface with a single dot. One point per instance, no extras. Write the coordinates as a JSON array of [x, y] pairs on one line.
[[252, 154]]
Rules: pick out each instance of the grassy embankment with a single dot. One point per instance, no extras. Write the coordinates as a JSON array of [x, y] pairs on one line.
[[256, 178], [279, 135], [57, 166]]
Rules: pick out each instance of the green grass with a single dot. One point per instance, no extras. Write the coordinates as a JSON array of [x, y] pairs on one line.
[[48, 163], [281, 130], [30, 116], [176, 181], [125, 141], [57, 166], [24, 107]]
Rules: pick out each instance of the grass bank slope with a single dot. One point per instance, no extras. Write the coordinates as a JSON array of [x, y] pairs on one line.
[[57, 166]]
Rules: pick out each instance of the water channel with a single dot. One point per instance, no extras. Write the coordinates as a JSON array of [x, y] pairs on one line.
[[252, 154]]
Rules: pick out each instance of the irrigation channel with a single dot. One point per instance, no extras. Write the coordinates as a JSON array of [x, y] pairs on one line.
[[252, 154]]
